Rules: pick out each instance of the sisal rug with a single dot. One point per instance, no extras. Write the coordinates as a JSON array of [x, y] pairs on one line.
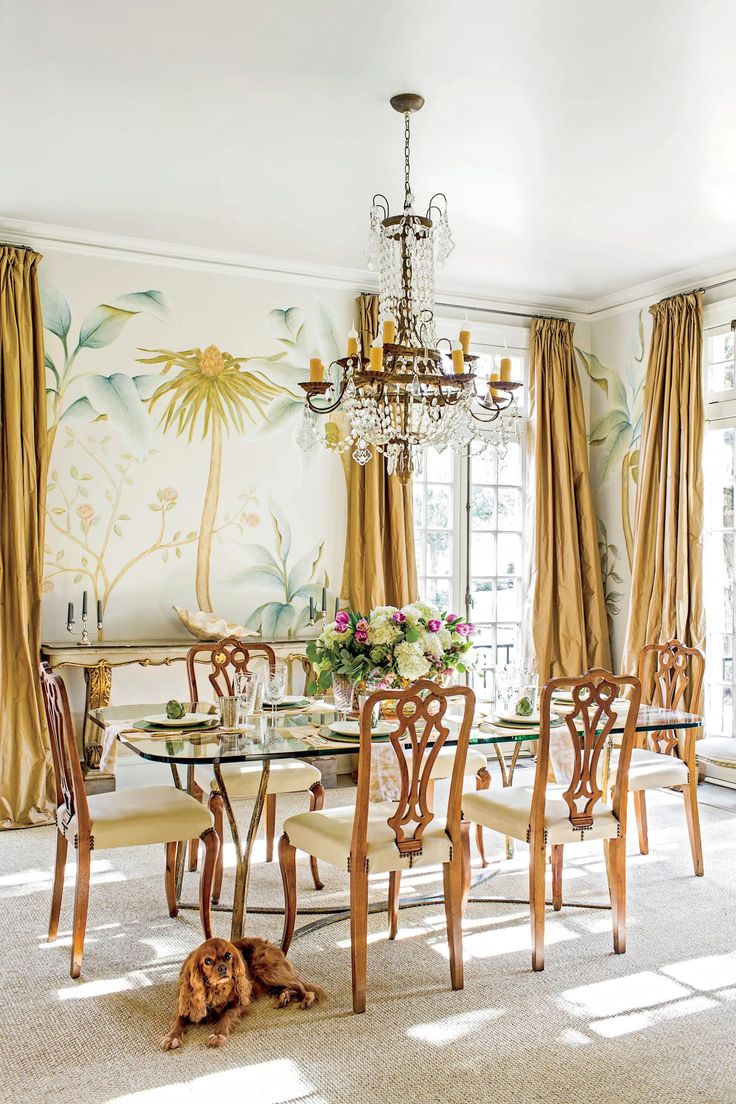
[[656, 1024]]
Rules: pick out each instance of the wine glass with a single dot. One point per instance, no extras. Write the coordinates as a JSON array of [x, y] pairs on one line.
[[275, 687], [244, 688], [343, 689]]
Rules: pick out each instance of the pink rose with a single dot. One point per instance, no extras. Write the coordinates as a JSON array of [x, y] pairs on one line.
[[168, 494], [362, 625], [342, 617], [341, 626], [434, 625], [452, 617], [85, 511], [398, 617], [361, 636]]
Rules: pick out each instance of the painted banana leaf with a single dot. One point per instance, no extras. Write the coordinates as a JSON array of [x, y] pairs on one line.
[[618, 431], [120, 399]]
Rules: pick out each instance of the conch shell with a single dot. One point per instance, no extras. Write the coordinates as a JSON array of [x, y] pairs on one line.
[[208, 626]]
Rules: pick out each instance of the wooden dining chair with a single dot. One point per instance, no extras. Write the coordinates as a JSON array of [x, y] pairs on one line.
[[224, 659], [124, 818], [570, 811], [666, 759], [392, 836]]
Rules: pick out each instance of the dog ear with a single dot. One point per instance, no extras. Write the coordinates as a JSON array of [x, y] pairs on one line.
[[241, 980], [192, 1003]]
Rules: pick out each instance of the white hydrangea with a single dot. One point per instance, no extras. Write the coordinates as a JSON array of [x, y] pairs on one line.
[[383, 631], [412, 613], [329, 637], [411, 663], [430, 642], [445, 638], [382, 612]]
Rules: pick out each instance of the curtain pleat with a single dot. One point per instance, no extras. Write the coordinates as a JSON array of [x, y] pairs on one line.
[[569, 625], [25, 756], [667, 568], [380, 566]]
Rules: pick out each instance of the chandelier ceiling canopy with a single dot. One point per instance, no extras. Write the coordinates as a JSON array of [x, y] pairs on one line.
[[403, 393]]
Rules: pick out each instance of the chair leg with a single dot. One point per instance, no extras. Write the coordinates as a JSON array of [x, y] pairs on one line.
[[617, 886], [690, 793], [537, 864], [81, 904], [215, 807], [170, 877], [61, 849], [640, 811], [211, 842], [287, 862], [270, 825], [467, 868], [482, 782], [196, 791], [452, 877], [316, 801], [394, 889], [557, 852], [359, 935]]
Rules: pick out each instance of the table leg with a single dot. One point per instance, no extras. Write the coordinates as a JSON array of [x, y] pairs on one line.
[[242, 854], [507, 777], [181, 848], [98, 687]]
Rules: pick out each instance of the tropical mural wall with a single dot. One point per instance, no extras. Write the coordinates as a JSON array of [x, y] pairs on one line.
[[613, 367], [175, 478]]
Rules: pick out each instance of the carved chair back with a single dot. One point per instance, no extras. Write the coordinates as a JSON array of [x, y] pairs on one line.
[[225, 658], [70, 790], [421, 732], [587, 727], [675, 674], [306, 665]]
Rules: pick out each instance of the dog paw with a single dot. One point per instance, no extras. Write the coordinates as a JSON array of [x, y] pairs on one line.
[[171, 1042], [216, 1040], [284, 999], [308, 1001]]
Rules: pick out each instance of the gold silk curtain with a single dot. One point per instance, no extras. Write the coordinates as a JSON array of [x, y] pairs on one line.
[[25, 758], [380, 566], [569, 625], [667, 569]]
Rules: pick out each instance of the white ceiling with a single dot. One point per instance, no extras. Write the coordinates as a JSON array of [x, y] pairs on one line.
[[585, 145]]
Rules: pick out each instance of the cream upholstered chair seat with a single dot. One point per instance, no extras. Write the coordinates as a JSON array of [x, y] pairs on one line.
[[443, 764], [130, 818], [508, 811], [243, 779], [328, 834], [651, 769]]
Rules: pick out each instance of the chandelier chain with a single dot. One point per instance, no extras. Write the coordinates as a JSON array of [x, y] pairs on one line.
[[407, 161]]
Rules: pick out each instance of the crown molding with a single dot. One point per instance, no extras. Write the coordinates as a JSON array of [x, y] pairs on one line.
[[452, 295]]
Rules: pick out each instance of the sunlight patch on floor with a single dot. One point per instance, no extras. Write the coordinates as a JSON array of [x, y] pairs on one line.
[[275, 1082], [616, 1026], [706, 974], [449, 1030], [491, 944], [619, 995], [82, 990]]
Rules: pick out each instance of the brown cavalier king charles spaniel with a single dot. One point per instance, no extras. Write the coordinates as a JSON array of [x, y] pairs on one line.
[[219, 980]]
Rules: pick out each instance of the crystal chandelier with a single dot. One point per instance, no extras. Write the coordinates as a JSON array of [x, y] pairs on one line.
[[403, 393]]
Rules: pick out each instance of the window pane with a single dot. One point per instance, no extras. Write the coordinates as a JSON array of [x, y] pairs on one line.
[[721, 347], [507, 645], [483, 508], [483, 594], [483, 468], [439, 466], [721, 376], [509, 508], [509, 465], [509, 554], [483, 553], [439, 554], [509, 599], [419, 521], [439, 507], [437, 593], [419, 553]]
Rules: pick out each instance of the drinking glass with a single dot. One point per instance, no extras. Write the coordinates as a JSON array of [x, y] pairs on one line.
[[275, 687], [363, 698], [244, 687], [343, 689], [228, 706]]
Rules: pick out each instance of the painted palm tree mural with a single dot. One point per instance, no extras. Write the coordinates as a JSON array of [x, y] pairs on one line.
[[618, 431], [211, 391]]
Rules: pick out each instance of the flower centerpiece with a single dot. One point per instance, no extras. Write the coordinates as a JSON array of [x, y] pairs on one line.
[[391, 646]]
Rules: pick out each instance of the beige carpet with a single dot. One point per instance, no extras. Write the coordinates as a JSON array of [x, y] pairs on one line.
[[656, 1024]]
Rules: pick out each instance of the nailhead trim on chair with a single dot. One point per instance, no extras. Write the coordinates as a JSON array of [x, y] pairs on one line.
[[582, 832]]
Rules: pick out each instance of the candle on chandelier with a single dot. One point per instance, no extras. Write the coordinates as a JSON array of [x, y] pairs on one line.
[[493, 391], [353, 343], [464, 338], [458, 359], [506, 368], [377, 355], [389, 330], [316, 370]]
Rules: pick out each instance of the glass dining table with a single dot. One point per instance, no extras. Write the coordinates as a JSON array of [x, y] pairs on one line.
[[297, 734]]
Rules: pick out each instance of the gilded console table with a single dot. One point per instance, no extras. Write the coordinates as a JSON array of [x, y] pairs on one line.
[[98, 661]]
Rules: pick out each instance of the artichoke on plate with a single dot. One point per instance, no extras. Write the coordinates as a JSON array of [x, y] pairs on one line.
[[175, 710], [524, 707]]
